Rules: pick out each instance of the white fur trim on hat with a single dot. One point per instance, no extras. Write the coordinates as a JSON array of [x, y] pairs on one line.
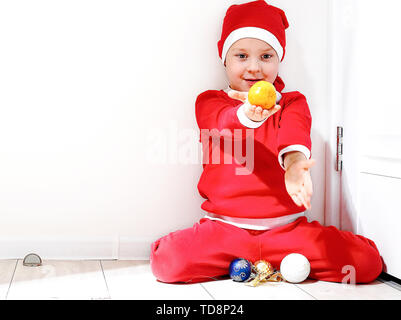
[[252, 32]]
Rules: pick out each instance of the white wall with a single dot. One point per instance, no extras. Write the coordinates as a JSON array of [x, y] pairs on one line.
[[90, 90], [306, 68]]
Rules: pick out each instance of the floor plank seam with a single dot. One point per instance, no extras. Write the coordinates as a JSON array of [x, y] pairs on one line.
[[207, 291], [306, 292], [105, 280], [11, 281]]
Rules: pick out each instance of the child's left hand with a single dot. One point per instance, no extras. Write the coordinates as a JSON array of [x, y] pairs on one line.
[[298, 182]]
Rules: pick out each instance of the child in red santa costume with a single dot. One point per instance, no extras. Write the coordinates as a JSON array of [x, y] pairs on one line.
[[259, 213]]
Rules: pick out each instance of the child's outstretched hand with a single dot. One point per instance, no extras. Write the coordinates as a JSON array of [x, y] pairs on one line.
[[254, 113], [298, 182]]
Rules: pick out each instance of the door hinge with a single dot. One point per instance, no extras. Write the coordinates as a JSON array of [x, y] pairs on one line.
[[339, 157]]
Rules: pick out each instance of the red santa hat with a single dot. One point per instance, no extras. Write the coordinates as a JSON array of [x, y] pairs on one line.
[[255, 19]]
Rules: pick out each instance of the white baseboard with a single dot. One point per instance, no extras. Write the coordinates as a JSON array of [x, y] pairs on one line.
[[134, 248], [76, 248]]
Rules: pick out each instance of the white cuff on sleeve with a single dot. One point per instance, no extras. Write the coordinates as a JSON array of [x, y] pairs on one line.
[[245, 121], [294, 147]]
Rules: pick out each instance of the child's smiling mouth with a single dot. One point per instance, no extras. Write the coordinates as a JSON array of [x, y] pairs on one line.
[[251, 82]]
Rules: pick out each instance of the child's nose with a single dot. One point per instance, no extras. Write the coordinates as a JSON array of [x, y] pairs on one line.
[[253, 66]]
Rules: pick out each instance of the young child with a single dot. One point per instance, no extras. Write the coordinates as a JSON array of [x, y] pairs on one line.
[[259, 215]]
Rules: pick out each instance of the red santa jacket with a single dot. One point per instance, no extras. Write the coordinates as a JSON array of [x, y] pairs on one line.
[[261, 192]]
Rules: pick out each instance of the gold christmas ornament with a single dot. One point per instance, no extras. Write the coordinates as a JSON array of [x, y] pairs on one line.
[[263, 266], [264, 272]]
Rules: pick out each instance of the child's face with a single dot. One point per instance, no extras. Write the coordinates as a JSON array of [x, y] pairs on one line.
[[250, 60]]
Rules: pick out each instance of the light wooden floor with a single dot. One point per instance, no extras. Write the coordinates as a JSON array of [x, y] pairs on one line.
[[116, 279]]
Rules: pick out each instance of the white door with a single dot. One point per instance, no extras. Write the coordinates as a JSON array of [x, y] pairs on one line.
[[370, 192]]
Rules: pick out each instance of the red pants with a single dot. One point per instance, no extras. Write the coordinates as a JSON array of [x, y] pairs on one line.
[[204, 252]]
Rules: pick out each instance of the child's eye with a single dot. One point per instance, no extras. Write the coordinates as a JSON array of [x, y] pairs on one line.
[[241, 56], [266, 56]]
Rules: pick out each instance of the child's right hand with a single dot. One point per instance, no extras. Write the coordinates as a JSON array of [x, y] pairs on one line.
[[254, 113], [259, 114]]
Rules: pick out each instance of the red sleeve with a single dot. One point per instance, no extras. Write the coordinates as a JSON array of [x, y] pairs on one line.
[[295, 122], [216, 111]]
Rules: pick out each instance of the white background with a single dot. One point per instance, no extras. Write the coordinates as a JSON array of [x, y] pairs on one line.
[[89, 88]]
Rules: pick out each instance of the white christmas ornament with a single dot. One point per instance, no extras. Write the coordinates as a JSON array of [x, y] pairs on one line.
[[295, 268]]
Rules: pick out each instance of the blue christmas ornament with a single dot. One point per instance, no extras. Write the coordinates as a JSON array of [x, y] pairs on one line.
[[240, 270]]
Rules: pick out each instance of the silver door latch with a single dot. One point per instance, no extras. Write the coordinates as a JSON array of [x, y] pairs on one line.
[[339, 157]]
